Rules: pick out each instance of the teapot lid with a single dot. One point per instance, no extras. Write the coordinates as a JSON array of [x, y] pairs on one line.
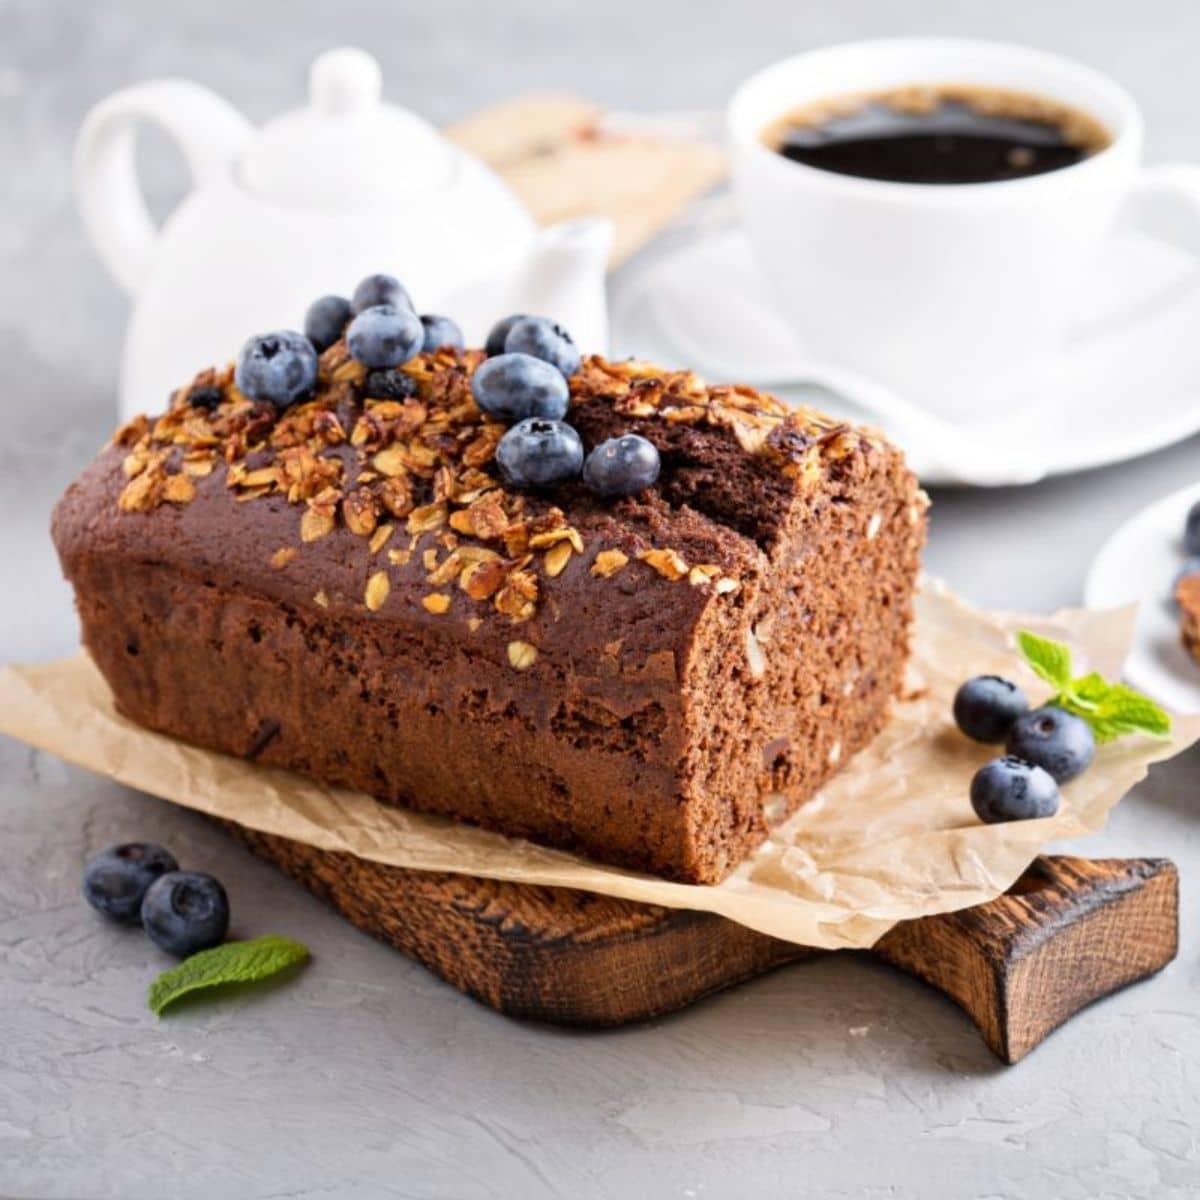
[[346, 148]]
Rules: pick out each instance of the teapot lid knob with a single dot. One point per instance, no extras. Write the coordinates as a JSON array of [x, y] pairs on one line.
[[346, 149], [345, 81]]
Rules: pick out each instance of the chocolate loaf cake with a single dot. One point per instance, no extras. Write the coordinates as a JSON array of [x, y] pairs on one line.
[[346, 587]]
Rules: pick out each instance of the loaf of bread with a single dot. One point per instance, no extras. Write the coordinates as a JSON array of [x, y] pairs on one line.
[[346, 588]]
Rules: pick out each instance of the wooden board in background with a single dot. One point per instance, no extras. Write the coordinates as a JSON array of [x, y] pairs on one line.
[[553, 152]]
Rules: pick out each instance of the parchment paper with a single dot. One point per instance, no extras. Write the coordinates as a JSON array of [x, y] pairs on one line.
[[892, 837]]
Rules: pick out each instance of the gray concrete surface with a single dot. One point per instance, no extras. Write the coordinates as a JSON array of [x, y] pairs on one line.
[[368, 1077]]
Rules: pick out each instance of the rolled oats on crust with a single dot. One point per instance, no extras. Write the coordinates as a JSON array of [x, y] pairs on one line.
[[378, 587], [666, 562], [427, 464], [521, 655], [608, 563]]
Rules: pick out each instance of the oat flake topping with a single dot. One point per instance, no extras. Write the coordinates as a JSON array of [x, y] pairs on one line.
[[389, 470]]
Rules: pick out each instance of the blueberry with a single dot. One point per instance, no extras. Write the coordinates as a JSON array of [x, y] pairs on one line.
[[515, 386], [538, 453], [380, 289], [499, 334], [621, 466], [540, 337], [390, 385], [279, 367], [1191, 530], [1054, 739], [384, 336], [985, 707], [441, 331], [1010, 789], [186, 911], [325, 320], [116, 880]]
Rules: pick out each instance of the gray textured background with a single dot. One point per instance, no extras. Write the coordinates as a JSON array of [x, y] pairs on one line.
[[368, 1077]]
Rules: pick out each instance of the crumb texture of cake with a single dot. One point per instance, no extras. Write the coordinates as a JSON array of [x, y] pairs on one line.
[[1187, 593], [348, 589]]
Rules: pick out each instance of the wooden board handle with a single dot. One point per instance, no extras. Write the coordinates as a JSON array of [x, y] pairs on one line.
[[1070, 931]]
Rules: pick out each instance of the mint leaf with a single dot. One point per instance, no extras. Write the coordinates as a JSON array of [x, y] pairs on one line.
[[231, 963], [1089, 690], [1050, 660], [1111, 709], [1122, 711]]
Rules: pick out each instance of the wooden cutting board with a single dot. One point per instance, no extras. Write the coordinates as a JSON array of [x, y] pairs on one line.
[[564, 161], [1070, 931]]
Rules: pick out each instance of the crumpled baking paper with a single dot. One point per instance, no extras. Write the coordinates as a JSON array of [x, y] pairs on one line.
[[891, 838]]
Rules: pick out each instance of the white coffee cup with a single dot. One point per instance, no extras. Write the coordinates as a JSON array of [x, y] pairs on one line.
[[938, 291]]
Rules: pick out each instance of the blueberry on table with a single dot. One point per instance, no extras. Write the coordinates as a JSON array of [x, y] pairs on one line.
[[380, 289], [440, 331], [325, 320], [542, 338], [1191, 530], [186, 911], [389, 385], [986, 707], [622, 466], [384, 336], [1055, 740], [499, 334], [116, 880], [280, 367], [538, 453], [512, 387], [1010, 789]]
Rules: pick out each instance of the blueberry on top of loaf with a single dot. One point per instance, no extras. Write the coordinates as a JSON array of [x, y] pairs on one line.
[[391, 471]]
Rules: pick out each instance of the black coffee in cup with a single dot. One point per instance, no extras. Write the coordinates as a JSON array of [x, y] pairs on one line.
[[938, 134]]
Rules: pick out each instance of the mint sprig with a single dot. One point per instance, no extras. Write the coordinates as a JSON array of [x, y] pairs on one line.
[[230, 963], [1111, 709]]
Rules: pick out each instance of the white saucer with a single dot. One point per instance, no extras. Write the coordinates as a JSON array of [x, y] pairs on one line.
[[1122, 386], [1139, 563]]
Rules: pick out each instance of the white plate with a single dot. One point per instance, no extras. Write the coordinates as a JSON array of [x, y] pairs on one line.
[[1139, 563], [1124, 385]]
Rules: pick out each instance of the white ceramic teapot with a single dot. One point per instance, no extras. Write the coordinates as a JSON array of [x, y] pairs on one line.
[[308, 205]]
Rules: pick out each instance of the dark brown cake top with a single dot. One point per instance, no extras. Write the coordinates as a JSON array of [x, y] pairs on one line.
[[416, 476]]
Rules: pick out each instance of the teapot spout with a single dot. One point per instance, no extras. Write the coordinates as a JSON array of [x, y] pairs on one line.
[[563, 278]]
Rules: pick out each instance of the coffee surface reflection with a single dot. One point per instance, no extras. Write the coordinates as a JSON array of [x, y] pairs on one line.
[[938, 135]]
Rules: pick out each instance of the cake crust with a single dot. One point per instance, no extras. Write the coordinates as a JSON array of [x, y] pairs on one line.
[[347, 589]]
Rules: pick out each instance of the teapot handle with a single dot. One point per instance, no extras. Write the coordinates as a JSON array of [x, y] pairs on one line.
[[208, 130]]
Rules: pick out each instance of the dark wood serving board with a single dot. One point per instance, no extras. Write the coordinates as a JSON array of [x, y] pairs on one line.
[[1070, 931]]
